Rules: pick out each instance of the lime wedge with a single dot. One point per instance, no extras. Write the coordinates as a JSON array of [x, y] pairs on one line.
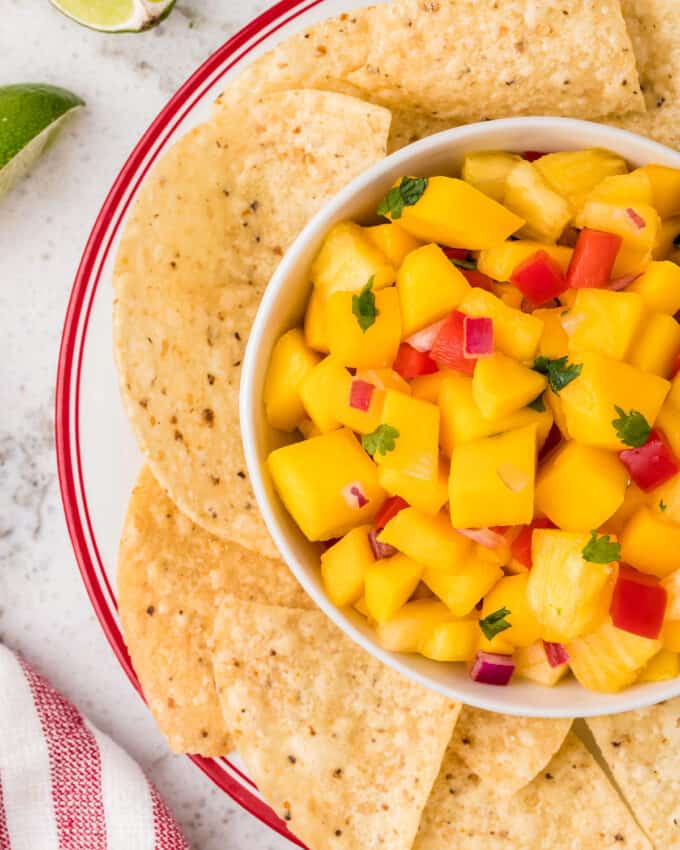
[[30, 116], [116, 15]]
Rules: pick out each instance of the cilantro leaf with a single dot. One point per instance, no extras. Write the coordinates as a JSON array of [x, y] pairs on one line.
[[495, 623], [380, 441], [601, 550], [363, 306], [464, 264], [559, 372], [663, 507], [537, 404], [631, 428], [409, 191]]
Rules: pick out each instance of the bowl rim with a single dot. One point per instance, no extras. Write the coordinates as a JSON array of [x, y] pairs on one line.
[[490, 699]]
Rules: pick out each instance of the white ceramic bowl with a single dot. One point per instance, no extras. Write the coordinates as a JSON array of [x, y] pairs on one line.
[[282, 308]]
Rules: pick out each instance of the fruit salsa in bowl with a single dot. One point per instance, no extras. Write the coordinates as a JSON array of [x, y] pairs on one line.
[[461, 415]]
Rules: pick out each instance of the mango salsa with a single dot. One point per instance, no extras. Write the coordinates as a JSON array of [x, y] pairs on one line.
[[361, 347], [290, 363], [389, 583], [412, 625], [344, 565], [414, 426], [429, 540], [347, 259], [426, 495]]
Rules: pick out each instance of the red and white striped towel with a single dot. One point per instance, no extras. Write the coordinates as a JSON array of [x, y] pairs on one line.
[[64, 785]]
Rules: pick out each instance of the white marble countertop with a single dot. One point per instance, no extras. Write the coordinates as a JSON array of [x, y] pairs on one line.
[[44, 222]]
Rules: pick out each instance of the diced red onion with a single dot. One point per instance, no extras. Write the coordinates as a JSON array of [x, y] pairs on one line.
[[353, 494], [556, 653], [637, 219], [360, 394], [621, 282], [380, 550], [477, 336], [490, 668], [424, 340]]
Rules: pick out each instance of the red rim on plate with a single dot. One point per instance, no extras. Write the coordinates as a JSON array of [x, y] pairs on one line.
[[67, 406]]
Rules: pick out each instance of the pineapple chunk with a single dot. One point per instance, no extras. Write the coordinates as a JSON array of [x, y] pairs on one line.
[[529, 195], [428, 540], [532, 663], [623, 189], [574, 174], [511, 593], [347, 259], [290, 363], [322, 392], [650, 543], [388, 585], [393, 241], [452, 640], [411, 625], [501, 261], [462, 590], [501, 385], [663, 666], [316, 333], [515, 334], [416, 445], [604, 321], [488, 171], [637, 224], [364, 348], [657, 346], [610, 659], [659, 286], [428, 496], [344, 566]]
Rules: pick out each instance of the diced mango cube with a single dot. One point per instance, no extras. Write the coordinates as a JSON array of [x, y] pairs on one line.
[[657, 346], [665, 182], [392, 241], [290, 363], [668, 421], [637, 224], [429, 287], [664, 244], [361, 421], [554, 404], [670, 635], [428, 540], [384, 379], [428, 496], [554, 339], [454, 213], [411, 625], [452, 640], [634, 499], [610, 659], [316, 334], [529, 195], [603, 321], [511, 593], [568, 595], [651, 543], [509, 294], [462, 590], [574, 174], [416, 450], [344, 566], [322, 392], [668, 496], [360, 607], [347, 260], [488, 171], [532, 663], [492, 480], [659, 286], [589, 402], [351, 344], [501, 385], [515, 334], [328, 484], [426, 387], [663, 666], [500, 261], [631, 260], [388, 585], [308, 429], [580, 487]]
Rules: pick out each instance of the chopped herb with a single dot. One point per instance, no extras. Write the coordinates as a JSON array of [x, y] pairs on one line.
[[601, 550], [676, 241], [409, 191], [380, 441], [559, 372], [631, 428], [495, 623], [363, 306], [464, 264], [663, 507], [537, 404]]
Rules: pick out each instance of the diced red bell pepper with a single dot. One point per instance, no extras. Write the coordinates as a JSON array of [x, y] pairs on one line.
[[411, 363], [478, 279], [532, 156], [652, 464], [521, 545], [639, 603], [390, 508], [449, 346], [360, 394], [593, 258], [539, 278]]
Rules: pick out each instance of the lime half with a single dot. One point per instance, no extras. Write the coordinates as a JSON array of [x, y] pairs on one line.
[[116, 15], [30, 116]]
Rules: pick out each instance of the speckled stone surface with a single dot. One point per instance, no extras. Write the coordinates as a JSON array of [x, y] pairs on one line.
[[44, 222]]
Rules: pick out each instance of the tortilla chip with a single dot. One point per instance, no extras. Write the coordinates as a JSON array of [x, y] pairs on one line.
[[641, 748], [571, 806], [171, 577], [506, 753], [409, 126], [207, 230], [342, 747]]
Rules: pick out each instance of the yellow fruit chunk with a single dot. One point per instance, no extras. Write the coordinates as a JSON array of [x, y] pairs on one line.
[[603, 321], [347, 259], [454, 213], [567, 298], [651, 543], [674, 393], [426, 387], [392, 241], [501, 385], [500, 261], [492, 480], [462, 590], [388, 585], [384, 379], [515, 334], [488, 171], [555, 407], [663, 666], [668, 421], [452, 640], [659, 286], [411, 625], [428, 496], [574, 174], [657, 346], [344, 566], [589, 402], [429, 287], [631, 260], [665, 182], [428, 540], [580, 487], [360, 607], [554, 339], [322, 392], [290, 363], [528, 194], [416, 450], [623, 189], [361, 421], [509, 295], [568, 595], [328, 484], [672, 585], [664, 245], [316, 335], [308, 429], [670, 635], [637, 224], [532, 663], [667, 495], [633, 500], [511, 593], [610, 659], [373, 347]]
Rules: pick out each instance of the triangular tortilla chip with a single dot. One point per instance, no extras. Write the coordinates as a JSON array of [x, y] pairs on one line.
[[171, 577], [342, 747], [207, 230], [570, 806], [641, 748]]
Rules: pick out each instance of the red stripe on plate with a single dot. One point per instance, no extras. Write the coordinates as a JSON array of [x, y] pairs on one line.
[[4, 833], [166, 832]]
